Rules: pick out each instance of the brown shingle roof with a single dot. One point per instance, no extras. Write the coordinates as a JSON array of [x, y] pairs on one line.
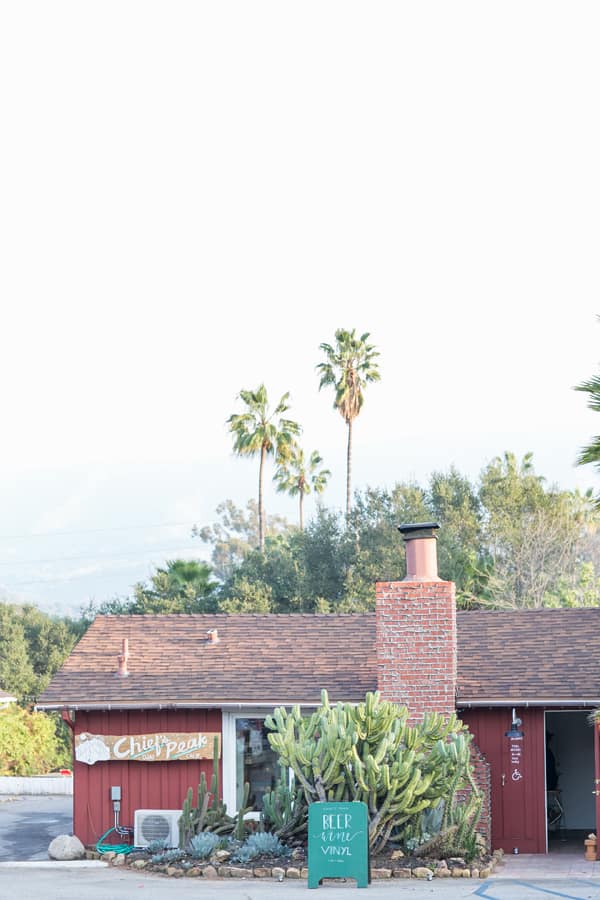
[[258, 659], [503, 657], [529, 655]]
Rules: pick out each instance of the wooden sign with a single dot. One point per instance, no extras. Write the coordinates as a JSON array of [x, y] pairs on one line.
[[338, 842], [158, 747]]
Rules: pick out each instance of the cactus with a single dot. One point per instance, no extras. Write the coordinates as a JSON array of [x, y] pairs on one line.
[[370, 753], [210, 812], [239, 825], [284, 810]]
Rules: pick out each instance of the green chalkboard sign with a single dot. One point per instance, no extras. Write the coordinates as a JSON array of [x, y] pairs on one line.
[[338, 842]]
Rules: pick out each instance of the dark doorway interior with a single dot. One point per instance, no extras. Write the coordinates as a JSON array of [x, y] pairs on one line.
[[570, 802]]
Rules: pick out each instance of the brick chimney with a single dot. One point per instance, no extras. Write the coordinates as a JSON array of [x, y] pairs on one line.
[[416, 630]]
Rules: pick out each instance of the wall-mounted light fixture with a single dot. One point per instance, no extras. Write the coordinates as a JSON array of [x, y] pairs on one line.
[[515, 734]]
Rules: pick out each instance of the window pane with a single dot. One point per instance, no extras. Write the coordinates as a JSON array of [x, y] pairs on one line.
[[256, 762]]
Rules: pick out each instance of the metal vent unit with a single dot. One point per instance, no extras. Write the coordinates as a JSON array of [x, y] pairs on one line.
[[156, 825]]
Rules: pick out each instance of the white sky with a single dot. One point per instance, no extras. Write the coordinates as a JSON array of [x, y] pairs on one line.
[[194, 195]]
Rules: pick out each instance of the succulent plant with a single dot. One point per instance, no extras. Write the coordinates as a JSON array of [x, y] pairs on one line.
[[203, 844]]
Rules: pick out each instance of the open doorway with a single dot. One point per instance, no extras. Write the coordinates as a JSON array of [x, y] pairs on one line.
[[570, 802]]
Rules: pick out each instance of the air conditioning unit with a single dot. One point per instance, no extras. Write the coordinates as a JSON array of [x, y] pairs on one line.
[[156, 825]]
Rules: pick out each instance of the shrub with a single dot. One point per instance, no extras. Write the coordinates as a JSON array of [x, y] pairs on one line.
[[28, 744]]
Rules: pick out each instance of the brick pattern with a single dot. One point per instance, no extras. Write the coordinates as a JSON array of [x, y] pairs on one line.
[[416, 645]]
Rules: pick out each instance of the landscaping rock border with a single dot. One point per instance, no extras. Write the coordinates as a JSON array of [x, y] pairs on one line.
[[454, 868]]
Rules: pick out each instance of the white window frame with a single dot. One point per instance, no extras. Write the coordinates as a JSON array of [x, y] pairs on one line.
[[229, 752]]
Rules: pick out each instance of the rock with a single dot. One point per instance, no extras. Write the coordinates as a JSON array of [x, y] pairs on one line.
[[174, 872], [474, 873], [224, 871], [66, 846], [119, 859], [456, 861], [292, 872], [466, 873], [304, 872], [421, 872], [209, 872], [278, 872], [381, 873], [457, 873], [262, 872], [443, 873], [402, 872], [140, 863], [220, 856], [240, 872], [298, 853], [485, 873], [397, 854], [441, 864], [193, 872]]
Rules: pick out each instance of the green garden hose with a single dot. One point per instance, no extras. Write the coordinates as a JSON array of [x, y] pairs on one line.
[[113, 848]]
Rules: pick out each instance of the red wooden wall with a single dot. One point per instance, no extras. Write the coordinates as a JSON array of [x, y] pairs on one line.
[[518, 806], [156, 785]]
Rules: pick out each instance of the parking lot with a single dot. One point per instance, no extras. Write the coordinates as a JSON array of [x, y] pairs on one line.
[[28, 824]]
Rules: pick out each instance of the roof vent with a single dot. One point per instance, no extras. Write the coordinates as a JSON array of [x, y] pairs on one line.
[[212, 636], [123, 658], [421, 551]]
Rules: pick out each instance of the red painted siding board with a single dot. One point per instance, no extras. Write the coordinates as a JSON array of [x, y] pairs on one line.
[[143, 785], [518, 807]]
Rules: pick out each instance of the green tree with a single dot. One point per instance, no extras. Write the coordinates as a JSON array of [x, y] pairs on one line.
[[246, 596], [184, 586], [263, 432], [16, 671], [28, 743], [298, 476], [532, 537], [350, 365], [590, 454], [49, 642], [235, 535]]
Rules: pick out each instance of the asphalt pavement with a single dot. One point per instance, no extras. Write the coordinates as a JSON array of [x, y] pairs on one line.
[[28, 824], [97, 883]]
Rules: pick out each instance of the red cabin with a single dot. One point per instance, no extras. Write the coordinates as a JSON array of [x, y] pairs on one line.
[[146, 695]]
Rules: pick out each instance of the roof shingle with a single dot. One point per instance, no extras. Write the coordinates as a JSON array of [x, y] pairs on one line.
[[503, 657]]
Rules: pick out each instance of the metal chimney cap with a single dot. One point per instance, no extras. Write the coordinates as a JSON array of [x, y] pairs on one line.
[[410, 531]]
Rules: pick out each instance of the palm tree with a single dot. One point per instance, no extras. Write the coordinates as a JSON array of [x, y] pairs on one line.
[[591, 452], [260, 431], [298, 476], [350, 366]]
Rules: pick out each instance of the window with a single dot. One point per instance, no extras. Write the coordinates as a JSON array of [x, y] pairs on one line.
[[247, 757]]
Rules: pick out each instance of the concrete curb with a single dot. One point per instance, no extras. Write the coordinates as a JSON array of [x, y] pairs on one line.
[[55, 864]]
